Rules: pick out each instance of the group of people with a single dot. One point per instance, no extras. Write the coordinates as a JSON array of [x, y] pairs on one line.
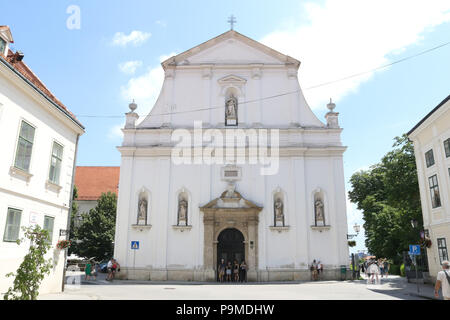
[[92, 268], [113, 266], [235, 272], [374, 269], [316, 270]]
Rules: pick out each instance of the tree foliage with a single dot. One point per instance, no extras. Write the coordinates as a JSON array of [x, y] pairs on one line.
[[96, 233], [388, 195], [34, 267], [73, 226]]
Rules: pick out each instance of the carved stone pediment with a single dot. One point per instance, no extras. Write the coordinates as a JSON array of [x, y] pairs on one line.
[[230, 199], [232, 81]]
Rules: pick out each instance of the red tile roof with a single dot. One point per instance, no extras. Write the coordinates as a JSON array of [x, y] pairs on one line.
[[91, 182]]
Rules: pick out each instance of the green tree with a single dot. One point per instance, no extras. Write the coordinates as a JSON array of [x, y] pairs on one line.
[[73, 226], [96, 233], [34, 267], [388, 195]]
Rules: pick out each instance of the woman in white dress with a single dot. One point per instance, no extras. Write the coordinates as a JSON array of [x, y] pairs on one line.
[[374, 271]]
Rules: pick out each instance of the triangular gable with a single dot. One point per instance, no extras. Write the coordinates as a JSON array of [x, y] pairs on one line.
[[221, 40]]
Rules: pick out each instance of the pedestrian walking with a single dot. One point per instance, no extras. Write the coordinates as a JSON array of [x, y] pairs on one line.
[[443, 281], [381, 267], [87, 271], [386, 268], [94, 270], [109, 269], [374, 272]]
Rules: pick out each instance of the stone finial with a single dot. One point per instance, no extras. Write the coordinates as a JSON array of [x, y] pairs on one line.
[[132, 106], [131, 117], [331, 105], [332, 117]]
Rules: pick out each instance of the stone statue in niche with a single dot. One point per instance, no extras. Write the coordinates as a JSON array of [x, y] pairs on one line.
[[142, 211], [182, 211], [279, 214], [231, 111], [319, 211]]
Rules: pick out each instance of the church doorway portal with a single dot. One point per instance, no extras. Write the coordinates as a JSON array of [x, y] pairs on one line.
[[230, 246]]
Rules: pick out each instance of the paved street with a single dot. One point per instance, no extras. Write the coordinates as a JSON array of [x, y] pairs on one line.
[[393, 288]]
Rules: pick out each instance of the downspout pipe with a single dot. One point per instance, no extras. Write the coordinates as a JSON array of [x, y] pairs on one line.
[[69, 215]]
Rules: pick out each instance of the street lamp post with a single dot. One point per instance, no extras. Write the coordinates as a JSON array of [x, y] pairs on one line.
[[357, 228], [414, 224]]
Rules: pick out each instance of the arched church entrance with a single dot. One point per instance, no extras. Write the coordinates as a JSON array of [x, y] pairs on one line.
[[230, 246]]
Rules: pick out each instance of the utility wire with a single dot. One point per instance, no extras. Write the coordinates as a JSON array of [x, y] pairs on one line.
[[286, 93]]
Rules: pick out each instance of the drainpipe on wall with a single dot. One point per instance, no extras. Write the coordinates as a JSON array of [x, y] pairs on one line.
[[70, 211]]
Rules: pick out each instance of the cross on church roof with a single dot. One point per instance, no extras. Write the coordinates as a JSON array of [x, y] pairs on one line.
[[232, 21]]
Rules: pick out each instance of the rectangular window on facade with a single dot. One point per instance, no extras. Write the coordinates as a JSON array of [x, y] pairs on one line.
[[442, 249], [48, 225], [24, 147], [12, 227], [434, 190], [447, 147], [55, 163], [429, 158]]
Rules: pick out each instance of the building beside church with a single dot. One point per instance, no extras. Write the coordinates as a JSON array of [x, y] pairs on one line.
[[91, 182], [39, 138], [275, 198], [431, 138]]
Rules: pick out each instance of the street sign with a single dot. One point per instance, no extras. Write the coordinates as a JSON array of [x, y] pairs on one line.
[[135, 245], [62, 232], [414, 249]]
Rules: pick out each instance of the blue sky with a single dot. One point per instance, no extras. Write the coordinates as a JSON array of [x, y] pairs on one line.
[[332, 39]]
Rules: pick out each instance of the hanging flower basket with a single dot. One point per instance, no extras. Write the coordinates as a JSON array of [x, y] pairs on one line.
[[63, 244]]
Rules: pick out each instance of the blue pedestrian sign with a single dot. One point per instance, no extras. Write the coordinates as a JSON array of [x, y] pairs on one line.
[[414, 249], [135, 245]]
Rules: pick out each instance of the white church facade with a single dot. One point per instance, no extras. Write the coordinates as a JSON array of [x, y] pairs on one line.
[[276, 200]]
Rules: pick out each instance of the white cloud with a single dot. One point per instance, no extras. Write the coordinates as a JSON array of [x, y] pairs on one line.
[[136, 38], [130, 67], [144, 89], [344, 37]]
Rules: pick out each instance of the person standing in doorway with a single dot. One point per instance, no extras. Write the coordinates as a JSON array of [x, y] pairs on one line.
[[221, 269], [243, 271], [236, 271], [443, 281], [228, 271]]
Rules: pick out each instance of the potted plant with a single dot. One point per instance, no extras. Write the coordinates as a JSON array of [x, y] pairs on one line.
[[63, 244]]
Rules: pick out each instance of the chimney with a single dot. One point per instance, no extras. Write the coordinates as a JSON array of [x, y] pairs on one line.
[[17, 57]]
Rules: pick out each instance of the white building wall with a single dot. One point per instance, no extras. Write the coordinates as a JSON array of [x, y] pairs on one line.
[[34, 197], [431, 134]]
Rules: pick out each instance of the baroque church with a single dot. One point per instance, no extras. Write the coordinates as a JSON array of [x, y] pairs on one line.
[[183, 206]]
